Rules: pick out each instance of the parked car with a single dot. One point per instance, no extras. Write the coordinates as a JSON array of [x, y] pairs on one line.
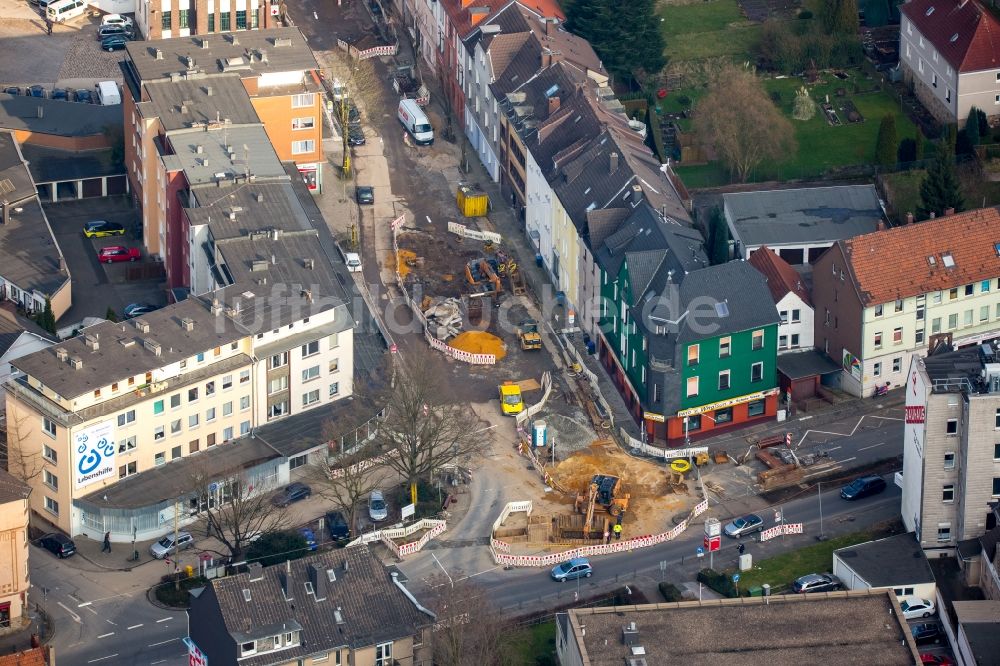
[[337, 526], [353, 115], [356, 137], [864, 486], [578, 567], [114, 43], [167, 546], [83, 95], [133, 310], [745, 525], [36, 91], [109, 30], [914, 607], [816, 583], [353, 261], [59, 545], [12, 90], [60, 94], [309, 536], [377, 509], [116, 19], [293, 492], [928, 659], [365, 194], [926, 633], [102, 228], [115, 253]]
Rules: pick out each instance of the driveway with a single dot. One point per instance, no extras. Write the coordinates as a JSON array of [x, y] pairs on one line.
[[97, 287]]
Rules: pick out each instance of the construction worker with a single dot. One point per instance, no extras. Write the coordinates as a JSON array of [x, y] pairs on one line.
[[618, 531], [607, 536], [741, 549]]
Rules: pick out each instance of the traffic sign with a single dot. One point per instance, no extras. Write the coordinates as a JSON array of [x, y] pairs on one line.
[[712, 543], [777, 516], [393, 348], [700, 551], [736, 578]]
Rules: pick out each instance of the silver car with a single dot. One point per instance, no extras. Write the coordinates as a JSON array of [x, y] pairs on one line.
[[377, 510], [166, 545]]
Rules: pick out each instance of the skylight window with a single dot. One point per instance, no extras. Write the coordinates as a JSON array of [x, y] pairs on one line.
[[722, 309], [948, 260], [996, 248], [246, 594], [552, 90], [930, 10], [931, 260], [309, 587], [954, 38]]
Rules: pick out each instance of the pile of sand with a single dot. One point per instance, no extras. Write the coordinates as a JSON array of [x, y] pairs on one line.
[[479, 342], [403, 257]]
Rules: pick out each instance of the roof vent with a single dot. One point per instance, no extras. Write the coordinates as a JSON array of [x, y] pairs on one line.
[[954, 38], [259, 265], [190, 62], [142, 325], [216, 307], [208, 91], [275, 235], [62, 354], [199, 149], [338, 616], [232, 215], [234, 62], [92, 342], [204, 43], [256, 571], [153, 346], [159, 54], [187, 324], [282, 41], [259, 198], [263, 55], [638, 651], [331, 575], [76, 362], [630, 634], [308, 263], [635, 661], [126, 342]]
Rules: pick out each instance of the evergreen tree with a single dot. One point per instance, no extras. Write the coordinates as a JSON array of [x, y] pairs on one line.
[[972, 127], [624, 33], [887, 142], [47, 319], [720, 238], [906, 151], [984, 126], [918, 149], [846, 19], [111, 315], [939, 190]]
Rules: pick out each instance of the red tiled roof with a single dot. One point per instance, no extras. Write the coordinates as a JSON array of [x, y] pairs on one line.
[[32, 657], [967, 35], [895, 263], [781, 277], [461, 18]]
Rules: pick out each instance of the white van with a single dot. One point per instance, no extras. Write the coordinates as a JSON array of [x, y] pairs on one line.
[[64, 10], [107, 93], [415, 121]]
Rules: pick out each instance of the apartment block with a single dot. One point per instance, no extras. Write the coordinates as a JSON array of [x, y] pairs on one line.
[[882, 298], [14, 575], [951, 446], [163, 19]]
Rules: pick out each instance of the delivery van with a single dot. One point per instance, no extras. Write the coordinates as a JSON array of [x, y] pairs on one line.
[[415, 121], [107, 93]]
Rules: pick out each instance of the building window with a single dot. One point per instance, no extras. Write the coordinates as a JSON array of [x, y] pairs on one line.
[[248, 648], [297, 461], [968, 318], [755, 408], [878, 310], [200, 357], [241, 19], [878, 340], [897, 364], [49, 426], [278, 360], [877, 369], [782, 341], [310, 348], [383, 654], [210, 415], [897, 336], [158, 433], [175, 401], [692, 423], [303, 147], [52, 506], [758, 340], [227, 382], [996, 486], [165, 20], [918, 336], [175, 426], [175, 453], [277, 410], [723, 415], [160, 458], [310, 398], [211, 22], [725, 347], [127, 470], [724, 380], [126, 418], [692, 387], [126, 445], [936, 325], [310, 373], [944, 532], [303, 100], [244, 428], [952, 427], [193, 421], [693, 355], [985, 286], [193, 394], [225, 22], [244, 376], [227, 408], [227, 434], [306, 122], [969, 289], [335, 389], [984, 313], [49, 454], [334, 365], [277, 385], [244, 403], [158, 407], [948, 493], [50, 479], [784, 316], [195, 444], [757, 372], [996, 420], [210, 388], [182, 19], [254, 23], [949, 460]]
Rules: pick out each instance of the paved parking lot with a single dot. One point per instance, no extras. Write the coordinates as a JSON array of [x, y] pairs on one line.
[[70, 57], [96, 287]]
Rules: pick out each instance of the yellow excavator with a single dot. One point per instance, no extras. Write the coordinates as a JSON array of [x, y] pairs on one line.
[[606, 490], [528, 336]]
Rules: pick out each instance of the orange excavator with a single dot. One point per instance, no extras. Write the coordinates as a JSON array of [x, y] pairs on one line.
[[483, 278]]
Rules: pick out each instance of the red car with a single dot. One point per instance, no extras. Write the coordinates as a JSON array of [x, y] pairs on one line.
[[936, 660], [113, 253]]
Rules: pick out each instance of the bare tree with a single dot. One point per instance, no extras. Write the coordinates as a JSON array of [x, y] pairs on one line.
[[422, 432], [744, 134], [349, 479], [18, 462], [470, 630], [245, 514]]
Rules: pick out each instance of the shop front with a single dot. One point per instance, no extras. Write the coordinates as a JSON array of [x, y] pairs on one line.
[[716, 416]]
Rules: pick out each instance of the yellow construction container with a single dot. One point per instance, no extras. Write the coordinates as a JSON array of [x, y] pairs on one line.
[[472, 202]]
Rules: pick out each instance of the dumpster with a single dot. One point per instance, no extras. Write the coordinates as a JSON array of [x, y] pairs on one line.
[[472, 202]]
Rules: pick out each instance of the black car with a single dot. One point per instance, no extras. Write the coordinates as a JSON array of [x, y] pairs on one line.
[[114, 43], [365, 194], [114, 29], [12, 90], [293, 492], [58, 544], [926, 633], [84, 95], [60, 94], [353, 115], [37, 91], [337, 526], [133, 310], [864, 486], [356, 137]]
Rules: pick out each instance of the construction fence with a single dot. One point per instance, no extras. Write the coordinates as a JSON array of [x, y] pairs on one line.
[[433, 526], [502, 556]]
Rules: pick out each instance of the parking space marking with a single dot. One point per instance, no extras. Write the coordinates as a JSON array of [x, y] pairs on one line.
[[107, 634], [166, 619], [110, 656], [135, 626], [865, 448], [163, 642], [76, 618]]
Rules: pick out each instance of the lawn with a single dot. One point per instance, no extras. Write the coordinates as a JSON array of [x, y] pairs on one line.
[[534, 645], [706, 29], [903, 190], [779, 571]]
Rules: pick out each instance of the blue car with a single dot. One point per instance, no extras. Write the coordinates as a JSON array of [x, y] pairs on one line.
[[309, 536], [578, 567]]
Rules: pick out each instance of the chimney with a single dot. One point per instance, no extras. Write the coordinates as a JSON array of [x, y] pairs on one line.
[[187, 324], [153, 346], [209, 91], [76, 362], [933, 215], [256, 571], [553, 104], [62, 354], [637, 195], [308, 295], [949, 211], [548, 26], [189, 61], [909, 218], [216, 307], [41, 112], [92, 342], [199, 149], [260, 198], [880, 226], [204, 42], [6, 212], [159, 54], [142, 325], [613, 163], [478, 14], [308, 263], [317, 577]]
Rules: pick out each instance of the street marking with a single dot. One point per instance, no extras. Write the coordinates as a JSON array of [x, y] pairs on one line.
[[134, 626], [76, 618], [110, 656], [833, 448], [92, 610], [154, 663], [871, 447], [84, 604], [479, 573], [845, 434], [110, 622], [106, 635], [164, 620], [847, 460], [443, 569], [163, 642]]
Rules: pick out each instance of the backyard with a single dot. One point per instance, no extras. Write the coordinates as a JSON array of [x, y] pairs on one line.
[[903, 189], [706, 29]]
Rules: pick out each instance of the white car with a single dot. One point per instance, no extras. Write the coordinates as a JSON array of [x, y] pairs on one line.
[[915, 607], [353, 261], [377, 509], [116, 19], [166, 545]]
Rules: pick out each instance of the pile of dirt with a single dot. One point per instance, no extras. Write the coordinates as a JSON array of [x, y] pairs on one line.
[[479, 342], [404, 258], [642, 478]]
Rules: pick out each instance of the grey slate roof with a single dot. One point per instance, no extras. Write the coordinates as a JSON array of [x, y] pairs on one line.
[[114, 361], [52, 164], [642, 268], [315, 427], [278, 208], [180, 104], [739, 286], [20, 112], [604, 222], [212, 54], [252, 153], [984, 642], [808, 363], [891, 562], [14, 173], [372, 608], [806, 215], [12, 488]]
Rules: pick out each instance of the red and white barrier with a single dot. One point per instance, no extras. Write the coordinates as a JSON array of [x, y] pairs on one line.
[[778, 530]]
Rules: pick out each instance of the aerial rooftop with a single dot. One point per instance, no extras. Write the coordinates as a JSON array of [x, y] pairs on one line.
[[257, 207], [222, 154], [893, 561], [52, 116], [192, 103]]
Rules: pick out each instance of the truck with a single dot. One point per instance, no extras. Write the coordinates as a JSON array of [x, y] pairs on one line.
[[527, 335], [511, 403], [413, 118]]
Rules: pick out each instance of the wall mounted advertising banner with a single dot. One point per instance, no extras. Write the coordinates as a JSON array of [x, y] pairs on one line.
[[94, 454]]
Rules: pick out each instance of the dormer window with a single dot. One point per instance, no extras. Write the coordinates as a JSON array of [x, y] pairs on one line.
[[248, 648], [954, 38]]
